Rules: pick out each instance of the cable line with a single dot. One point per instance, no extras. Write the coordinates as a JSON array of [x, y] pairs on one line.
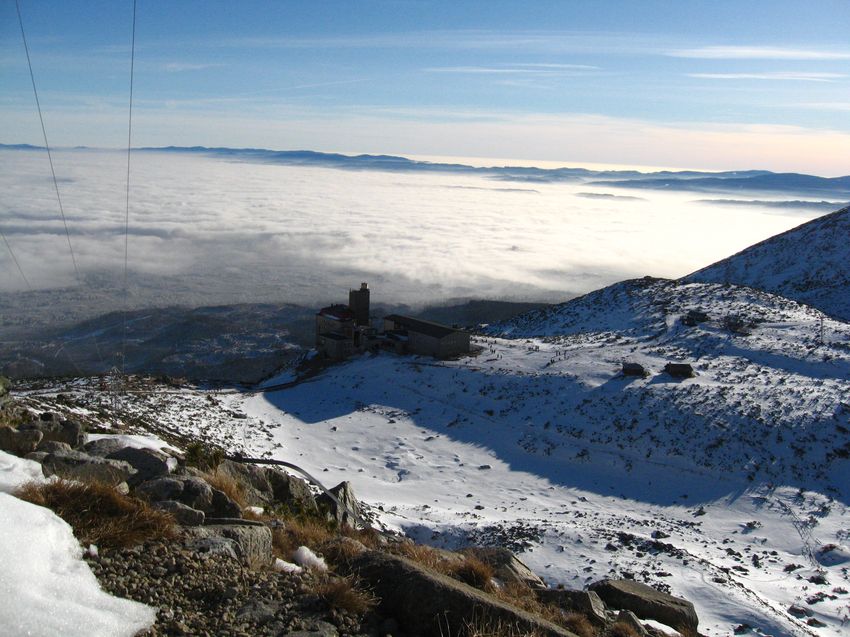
[[127, 207], [15, 259], [46, 145]]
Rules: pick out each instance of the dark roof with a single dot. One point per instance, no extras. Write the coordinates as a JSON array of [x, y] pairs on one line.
[[428, 328], [338, 312], [334, 336]]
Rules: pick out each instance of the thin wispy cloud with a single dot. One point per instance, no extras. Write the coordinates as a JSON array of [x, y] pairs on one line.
[[517, 69], [826, 106], [758, 53], [786, 76], [179, 67]]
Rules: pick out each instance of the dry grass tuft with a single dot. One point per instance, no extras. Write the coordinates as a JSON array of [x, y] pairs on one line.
[[621, 629], [229, 485], [522, 597], [424, 556], [99, 514], [346, 594], [579, 624], [309, 532], [482, 627], [474, 572]]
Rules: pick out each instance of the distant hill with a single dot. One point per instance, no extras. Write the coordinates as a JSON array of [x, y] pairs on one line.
[[766, 182], [809, 263]]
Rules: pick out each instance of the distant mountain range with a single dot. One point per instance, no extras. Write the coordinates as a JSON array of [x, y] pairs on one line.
[[690, 180]]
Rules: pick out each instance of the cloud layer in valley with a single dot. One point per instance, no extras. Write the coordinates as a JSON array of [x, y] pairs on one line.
[[229, 231]]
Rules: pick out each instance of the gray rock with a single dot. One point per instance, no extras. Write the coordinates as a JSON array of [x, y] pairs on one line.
[[253, 544], [53, 427], [52, 446], [149, 464], [427, 603], [647, 603], [340, 511], [187, 516], [37, 456], [316, 629], [507, 567], [222, 506], [76, 465], [628, 618], [588, 603], [19, 443], [212, 546], [257, 612], [253, 480], [103, 446], [193, 492], [292, 492]]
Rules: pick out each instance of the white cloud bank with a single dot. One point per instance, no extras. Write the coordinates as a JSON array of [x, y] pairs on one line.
[[257, 232]]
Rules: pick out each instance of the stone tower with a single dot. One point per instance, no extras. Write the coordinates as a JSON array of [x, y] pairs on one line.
[[358, 301]]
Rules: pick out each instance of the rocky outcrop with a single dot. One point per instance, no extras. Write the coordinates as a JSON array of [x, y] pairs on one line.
[[149, 464], [293, 493], [588, 603], [647, 603], [506, 566], [186, 516], [53, 427], [19, 443], [76, 465], [429, 604], [192, 491], [250, 541], [254, 481], [340, 510]]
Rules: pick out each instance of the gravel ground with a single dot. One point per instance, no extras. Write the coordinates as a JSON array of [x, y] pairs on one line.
[[203, 595]]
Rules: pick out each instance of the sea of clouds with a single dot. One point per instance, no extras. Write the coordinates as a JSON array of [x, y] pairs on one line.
[[205, 231]]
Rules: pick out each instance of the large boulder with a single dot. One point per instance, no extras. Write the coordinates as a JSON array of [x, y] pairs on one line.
[[149, 464], [254, 480], [293, 493], [506, 566], [191, 491], [53, 427], [428, 604], [343, 508], [19, 443], [588, 603], [647, 603], [76, 465], [252, 541]]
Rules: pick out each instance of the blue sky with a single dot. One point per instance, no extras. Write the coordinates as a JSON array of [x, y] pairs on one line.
[[685, 84]]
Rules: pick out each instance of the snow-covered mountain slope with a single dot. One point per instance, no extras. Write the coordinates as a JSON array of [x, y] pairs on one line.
[[809, 263], [729, 488]]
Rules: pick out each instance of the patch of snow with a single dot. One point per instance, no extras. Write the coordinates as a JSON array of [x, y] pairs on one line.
[[48, 589], [138, 441], [16, 471], [282, 566], [306, 558]]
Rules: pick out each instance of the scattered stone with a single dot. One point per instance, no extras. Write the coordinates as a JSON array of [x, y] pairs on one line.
[[52, 446]]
